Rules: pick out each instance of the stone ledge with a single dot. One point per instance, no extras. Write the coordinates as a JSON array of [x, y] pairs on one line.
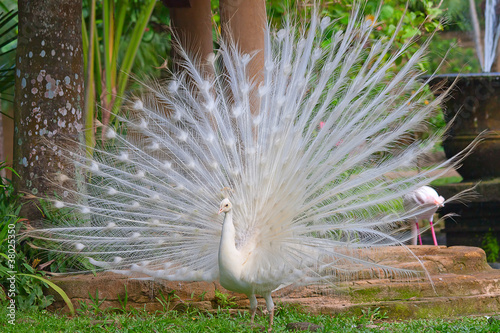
[[463, 283]]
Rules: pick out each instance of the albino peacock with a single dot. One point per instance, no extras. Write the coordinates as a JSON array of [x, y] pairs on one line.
[[301, 202]]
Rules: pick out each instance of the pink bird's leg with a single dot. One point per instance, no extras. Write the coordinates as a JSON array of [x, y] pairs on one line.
[[433, 232]]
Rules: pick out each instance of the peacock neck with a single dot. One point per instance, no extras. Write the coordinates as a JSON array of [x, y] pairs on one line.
[[228, 236]]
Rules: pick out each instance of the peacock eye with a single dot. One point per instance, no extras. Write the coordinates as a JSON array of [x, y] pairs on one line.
[[227, 205]]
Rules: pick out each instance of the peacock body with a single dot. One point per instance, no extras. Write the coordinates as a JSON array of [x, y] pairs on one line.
[[303, 200]]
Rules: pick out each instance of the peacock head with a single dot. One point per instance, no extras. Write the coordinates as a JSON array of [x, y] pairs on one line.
[[439, 201], [225, 206]]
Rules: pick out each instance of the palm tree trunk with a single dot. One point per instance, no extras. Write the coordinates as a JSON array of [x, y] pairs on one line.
[[49, 94]]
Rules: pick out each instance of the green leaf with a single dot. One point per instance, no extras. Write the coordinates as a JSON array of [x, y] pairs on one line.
[[386, 12], [131, 51], [56, 288]]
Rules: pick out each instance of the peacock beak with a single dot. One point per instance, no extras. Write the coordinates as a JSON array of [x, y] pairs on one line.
[[220, 211]]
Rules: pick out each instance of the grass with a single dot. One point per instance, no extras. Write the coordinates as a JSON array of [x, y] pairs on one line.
[[223, 321]]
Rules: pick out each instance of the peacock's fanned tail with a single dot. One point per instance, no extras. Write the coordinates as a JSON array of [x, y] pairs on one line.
[[306, 165]]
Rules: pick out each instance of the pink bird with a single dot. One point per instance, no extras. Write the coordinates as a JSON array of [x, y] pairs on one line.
[[426, 198]]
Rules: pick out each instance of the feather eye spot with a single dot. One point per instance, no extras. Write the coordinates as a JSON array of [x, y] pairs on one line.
[[287, 69], [281, 34], [245, 88], [123, 156], [263, 90], [62, 177], [237, 111], [173, 86], [205, 86], [177, 116], [143, 124], [210, 106], [79, 246], [281, 101], [59, 204], [110, 133], [316, 54], [112, 191], [135, 205], [135, 268], [251, 151], [138, 105], [245, 59], [230, 142], [183, 136], [135, 235], [257, 120], [211, 58], [154, 222], [154, 146], [301, 44], [94, 167], [117, 260], [167, 165], [85, 210], [110, 226], [269, 66], [325, 22], [140, 174]]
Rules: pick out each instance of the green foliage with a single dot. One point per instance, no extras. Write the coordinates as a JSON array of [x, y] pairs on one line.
[[15, 256], [490, 245], [457, 59], [8, 44], [92, 307], [446, 180], [124, 302], [110, 46], [166, 302], [224, 301], [223, 321], [457, 15], [374, 314]]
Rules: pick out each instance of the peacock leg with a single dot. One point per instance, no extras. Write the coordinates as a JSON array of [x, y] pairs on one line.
[[253, 307], [270, 308], [271, 317]]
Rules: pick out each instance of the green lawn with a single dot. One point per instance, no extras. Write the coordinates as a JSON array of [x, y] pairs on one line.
[[222, 321]]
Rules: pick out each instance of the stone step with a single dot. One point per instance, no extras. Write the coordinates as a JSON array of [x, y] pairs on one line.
[[463, 283]]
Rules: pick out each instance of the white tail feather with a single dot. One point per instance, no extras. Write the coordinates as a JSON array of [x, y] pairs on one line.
[[307, 201]]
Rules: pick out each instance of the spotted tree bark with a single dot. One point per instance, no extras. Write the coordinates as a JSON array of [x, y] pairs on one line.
[[49, 93]]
